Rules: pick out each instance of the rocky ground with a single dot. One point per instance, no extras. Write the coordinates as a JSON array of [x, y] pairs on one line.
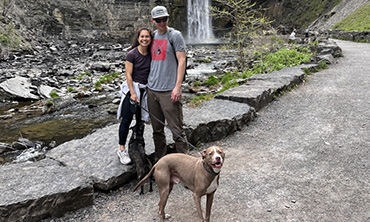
[[72, 70]]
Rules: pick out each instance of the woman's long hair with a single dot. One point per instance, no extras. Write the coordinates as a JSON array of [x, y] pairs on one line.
[[135, 42]]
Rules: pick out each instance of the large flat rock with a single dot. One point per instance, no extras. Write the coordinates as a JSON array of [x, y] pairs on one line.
[[216, 119], [261, 89], [35, 190], [95, 155]]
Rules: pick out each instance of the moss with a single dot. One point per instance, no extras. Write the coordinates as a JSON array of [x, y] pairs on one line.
[[301, 14]]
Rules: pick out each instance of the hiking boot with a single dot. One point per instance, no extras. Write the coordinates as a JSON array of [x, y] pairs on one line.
[[124, 158]]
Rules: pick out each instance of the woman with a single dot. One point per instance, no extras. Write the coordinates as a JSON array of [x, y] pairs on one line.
[[133, 91]]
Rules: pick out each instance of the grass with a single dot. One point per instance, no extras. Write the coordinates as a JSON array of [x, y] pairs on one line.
[[105, 79], [54, 94], [357, 21], [285, 57], [10, 38], [302, 13]]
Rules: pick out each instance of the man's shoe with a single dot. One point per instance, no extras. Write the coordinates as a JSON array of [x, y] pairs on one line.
[[124, 158]]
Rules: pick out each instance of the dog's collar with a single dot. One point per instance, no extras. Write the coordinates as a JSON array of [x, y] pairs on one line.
[[213, 173]]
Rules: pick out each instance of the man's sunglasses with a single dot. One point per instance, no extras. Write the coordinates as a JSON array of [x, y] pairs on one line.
[[159, 20]]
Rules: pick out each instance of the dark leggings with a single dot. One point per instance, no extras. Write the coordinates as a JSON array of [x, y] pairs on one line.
[[127, 117]]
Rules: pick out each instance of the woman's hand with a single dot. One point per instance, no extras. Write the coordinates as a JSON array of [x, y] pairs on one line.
[[134, 97]]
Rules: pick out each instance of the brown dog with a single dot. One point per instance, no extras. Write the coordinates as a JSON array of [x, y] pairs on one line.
[[200, 175]]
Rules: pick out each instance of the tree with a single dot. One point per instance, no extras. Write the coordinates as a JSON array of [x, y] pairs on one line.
[[247, 21]]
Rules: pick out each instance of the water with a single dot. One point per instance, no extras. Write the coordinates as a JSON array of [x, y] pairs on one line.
[[199, 22], [74, 121]]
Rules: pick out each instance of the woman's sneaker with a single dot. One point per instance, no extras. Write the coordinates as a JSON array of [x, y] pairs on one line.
[[124, 158]]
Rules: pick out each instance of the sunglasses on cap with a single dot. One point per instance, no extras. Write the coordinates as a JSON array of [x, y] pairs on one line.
[[159, 20]]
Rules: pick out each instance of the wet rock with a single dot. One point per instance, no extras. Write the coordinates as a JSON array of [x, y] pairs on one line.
[[4, 147], [19, 145], [45, 91], [18, 87], [32, 154], [7, 116]]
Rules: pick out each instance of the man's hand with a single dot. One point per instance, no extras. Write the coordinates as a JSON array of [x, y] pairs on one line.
[[176, 94]]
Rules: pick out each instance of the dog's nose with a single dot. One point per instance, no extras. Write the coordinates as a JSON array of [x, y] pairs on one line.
[[218, 158]]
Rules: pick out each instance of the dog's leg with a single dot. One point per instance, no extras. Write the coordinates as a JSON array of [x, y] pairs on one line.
[[142, 181], [150, 185], [197, 199], [164, 192], [209, 205]]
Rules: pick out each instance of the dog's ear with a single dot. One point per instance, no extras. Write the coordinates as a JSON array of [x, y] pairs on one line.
[[204, 154]]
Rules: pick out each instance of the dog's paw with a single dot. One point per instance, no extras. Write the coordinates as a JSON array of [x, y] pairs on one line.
[[167, 216]]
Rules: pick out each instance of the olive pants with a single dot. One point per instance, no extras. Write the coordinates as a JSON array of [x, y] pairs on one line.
[[162, 108]]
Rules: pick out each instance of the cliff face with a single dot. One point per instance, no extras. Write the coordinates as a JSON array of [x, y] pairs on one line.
[[102, 20], [116, 20]]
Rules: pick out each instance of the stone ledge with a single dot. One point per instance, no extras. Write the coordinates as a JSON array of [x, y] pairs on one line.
[[261, 89], [32, 191]]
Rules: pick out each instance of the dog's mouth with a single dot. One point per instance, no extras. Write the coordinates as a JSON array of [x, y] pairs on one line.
[[217, 164]]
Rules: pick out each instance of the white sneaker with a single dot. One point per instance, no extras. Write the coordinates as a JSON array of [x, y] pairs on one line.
[[123, 156]]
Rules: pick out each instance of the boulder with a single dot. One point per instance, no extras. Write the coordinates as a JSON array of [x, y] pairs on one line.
[[18, 88], [32, 191]]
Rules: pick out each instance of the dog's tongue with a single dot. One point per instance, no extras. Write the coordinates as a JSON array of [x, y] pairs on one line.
[[217, 165]]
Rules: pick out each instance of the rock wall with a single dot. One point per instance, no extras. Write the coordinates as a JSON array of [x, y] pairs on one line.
[[101, 20]]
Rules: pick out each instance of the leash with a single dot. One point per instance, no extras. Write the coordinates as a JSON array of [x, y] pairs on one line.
[[161, 122]]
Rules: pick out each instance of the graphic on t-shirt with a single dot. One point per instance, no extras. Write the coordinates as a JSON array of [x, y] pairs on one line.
[[159, 48]]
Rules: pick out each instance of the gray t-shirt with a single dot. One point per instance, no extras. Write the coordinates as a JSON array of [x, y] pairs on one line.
[[163, 69]]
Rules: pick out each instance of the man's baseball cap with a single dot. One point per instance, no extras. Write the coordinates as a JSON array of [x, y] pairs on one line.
[[159, 11]]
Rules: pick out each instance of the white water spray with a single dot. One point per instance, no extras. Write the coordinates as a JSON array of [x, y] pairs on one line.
[[199, 22]]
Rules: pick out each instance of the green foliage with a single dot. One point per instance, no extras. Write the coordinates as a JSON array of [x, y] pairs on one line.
[[300, 14], [54, 94], [247, 20], [82, 75], [4, 40], [10, 38], [49, 102], [322, 65], [281, 59], [357, 21], [105, 79], [268, 62], [70, 89], [212, 80], [197, 101]]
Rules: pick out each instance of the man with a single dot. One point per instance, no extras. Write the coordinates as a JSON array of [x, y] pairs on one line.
[[164, 83]]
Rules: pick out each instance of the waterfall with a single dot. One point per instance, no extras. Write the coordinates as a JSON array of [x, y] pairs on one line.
[[199, 22]]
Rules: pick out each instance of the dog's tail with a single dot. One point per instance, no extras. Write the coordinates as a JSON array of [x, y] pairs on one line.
[[142, 180]]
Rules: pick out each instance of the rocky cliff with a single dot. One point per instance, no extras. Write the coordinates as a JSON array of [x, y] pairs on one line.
[[97, 20], [115, 20]]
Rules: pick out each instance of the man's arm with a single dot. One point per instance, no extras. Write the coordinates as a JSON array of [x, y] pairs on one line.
[[181, 66]]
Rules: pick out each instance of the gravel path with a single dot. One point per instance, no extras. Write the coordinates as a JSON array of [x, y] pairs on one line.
[[305, 158]]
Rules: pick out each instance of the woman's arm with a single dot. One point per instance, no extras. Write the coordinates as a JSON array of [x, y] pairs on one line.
[[129, 69]]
